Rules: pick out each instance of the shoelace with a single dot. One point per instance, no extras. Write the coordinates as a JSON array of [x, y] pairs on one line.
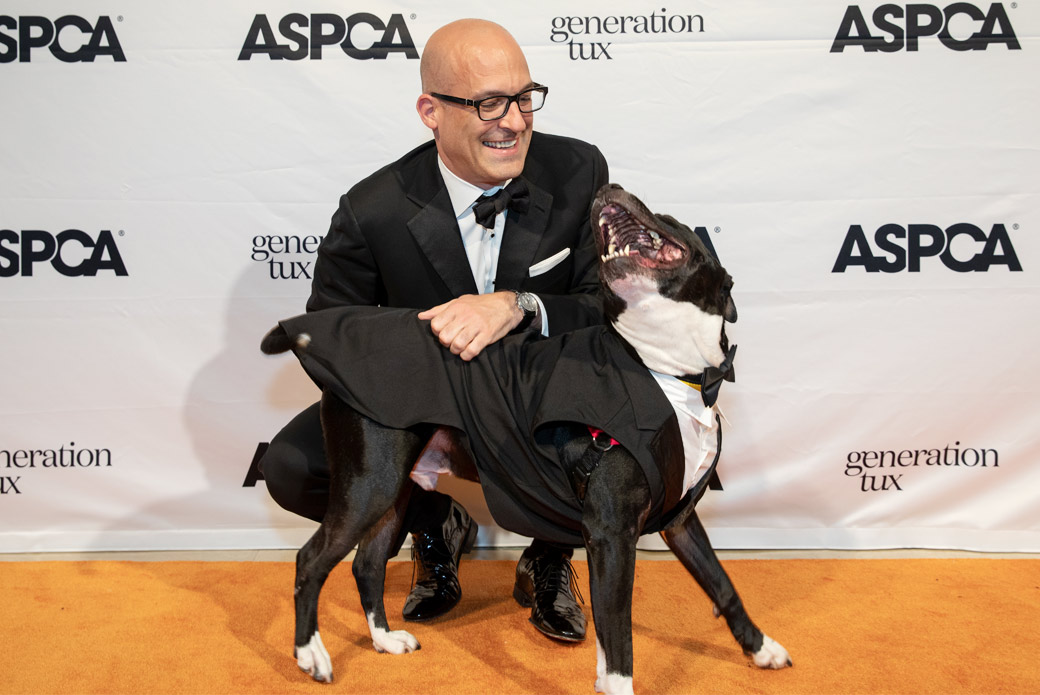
[[435, 557], [553, 575]]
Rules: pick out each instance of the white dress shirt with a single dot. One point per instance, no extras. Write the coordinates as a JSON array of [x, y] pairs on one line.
[[482, 245], [697, 424]]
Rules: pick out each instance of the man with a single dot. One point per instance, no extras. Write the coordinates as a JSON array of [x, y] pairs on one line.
[[409, 236]]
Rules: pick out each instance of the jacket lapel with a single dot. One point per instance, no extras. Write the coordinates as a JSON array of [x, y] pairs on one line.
[[434, 227], [523, 235]]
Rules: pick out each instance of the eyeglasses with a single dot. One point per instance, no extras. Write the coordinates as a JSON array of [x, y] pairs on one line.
[[496, 107]]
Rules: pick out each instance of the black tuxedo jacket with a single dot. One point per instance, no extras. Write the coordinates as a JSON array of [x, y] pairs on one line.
[[394, 240], [388, 365]]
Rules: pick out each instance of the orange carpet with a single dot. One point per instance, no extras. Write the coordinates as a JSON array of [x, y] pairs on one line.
[[851, 626]]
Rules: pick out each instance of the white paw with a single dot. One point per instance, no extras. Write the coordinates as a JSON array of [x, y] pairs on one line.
[[601, 664], [395, 642], [313, 659], [614, 684], [391, 642], [771, 655]]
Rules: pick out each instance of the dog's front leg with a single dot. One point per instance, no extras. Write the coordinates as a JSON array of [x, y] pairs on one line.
[[616, 505], [689, 541]]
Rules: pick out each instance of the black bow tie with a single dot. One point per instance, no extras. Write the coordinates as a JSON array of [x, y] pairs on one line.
[[711, 378], [515, 196]]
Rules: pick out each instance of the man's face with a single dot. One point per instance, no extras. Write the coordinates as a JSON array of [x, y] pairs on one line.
[[485, 153]]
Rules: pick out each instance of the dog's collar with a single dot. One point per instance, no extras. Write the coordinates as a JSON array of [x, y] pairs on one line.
[[707, 382]]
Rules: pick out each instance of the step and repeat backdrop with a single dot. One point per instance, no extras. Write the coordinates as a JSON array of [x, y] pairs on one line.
[[869, 173]]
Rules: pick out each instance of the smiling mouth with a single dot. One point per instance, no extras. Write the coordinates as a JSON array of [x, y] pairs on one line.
[[500, 144]]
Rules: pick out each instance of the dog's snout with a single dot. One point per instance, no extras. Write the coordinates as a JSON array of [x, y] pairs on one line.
[[730, 311]]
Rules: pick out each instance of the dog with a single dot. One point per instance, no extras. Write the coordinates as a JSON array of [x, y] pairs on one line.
[[608, 455]]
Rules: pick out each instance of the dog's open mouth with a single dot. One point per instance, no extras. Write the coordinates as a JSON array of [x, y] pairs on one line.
[[626, 235]]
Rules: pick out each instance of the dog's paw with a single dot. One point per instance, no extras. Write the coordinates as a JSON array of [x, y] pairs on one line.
[[614, 684], [771, 655], [314, 659], [394, 642]]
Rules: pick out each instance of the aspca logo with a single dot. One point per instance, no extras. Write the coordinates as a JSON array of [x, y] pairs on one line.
[[70, 39], [883, 471], [960, 27], [962, 247], [362, 36], [72, 253]]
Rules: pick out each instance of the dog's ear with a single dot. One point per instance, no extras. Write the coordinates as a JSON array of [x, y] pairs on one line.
[[276, 341]]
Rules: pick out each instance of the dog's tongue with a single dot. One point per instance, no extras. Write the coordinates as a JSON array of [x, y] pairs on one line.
[[668, 254]]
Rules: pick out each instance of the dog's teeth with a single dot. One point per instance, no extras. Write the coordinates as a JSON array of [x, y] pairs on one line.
[[611, 249], [628, 249]]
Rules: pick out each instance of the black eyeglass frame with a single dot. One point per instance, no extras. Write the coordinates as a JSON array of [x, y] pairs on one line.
[[475, 103]]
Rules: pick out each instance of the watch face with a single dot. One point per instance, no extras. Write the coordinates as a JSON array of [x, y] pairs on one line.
[[527, 302]]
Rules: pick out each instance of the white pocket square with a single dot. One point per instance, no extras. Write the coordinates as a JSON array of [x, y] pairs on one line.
[[548, 264]]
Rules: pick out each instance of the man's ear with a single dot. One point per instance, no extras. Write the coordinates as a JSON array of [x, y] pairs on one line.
[[426, 106]]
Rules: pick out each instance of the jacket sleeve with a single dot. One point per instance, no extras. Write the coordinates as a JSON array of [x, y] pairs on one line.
[[345, 273]]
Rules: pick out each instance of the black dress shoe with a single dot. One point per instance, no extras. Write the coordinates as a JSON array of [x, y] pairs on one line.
[[545, 583], [436, 555]]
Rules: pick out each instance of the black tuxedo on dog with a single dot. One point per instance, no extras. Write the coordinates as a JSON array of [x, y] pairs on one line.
[[524, 380], [394, 241]]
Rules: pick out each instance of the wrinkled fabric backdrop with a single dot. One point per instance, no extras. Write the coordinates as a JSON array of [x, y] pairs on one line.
[[868, 173]]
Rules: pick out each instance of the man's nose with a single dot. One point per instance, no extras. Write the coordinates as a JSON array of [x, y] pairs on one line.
[[513, 118]]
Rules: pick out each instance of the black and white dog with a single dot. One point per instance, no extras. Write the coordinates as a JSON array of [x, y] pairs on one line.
[[590, 438]]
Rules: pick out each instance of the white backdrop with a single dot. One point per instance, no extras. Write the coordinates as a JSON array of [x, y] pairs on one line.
[[134, 395]]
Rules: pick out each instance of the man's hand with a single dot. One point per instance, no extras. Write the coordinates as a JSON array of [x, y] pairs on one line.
[[468, 324]]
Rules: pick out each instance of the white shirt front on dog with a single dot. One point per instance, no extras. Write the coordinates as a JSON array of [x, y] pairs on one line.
[[697, 424]]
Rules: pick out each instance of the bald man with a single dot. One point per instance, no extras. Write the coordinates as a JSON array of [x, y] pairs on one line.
[[409, 236]]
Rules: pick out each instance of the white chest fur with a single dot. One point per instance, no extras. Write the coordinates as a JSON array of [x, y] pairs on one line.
[[671, 337]]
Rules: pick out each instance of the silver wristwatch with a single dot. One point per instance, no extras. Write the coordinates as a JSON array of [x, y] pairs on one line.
[[527, 303]]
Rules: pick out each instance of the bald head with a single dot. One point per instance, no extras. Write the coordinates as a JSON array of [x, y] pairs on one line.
[[464, 48], [475, 59]]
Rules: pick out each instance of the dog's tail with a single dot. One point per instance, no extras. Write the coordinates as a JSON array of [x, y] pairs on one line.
[[278, 341]]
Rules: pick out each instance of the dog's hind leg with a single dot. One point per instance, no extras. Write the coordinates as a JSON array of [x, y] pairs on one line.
[[617, 502], [689, 541], [368, 466], [369, 569]]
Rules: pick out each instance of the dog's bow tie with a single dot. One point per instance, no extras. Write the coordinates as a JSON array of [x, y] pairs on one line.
[[515, 196], [710, 380]]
